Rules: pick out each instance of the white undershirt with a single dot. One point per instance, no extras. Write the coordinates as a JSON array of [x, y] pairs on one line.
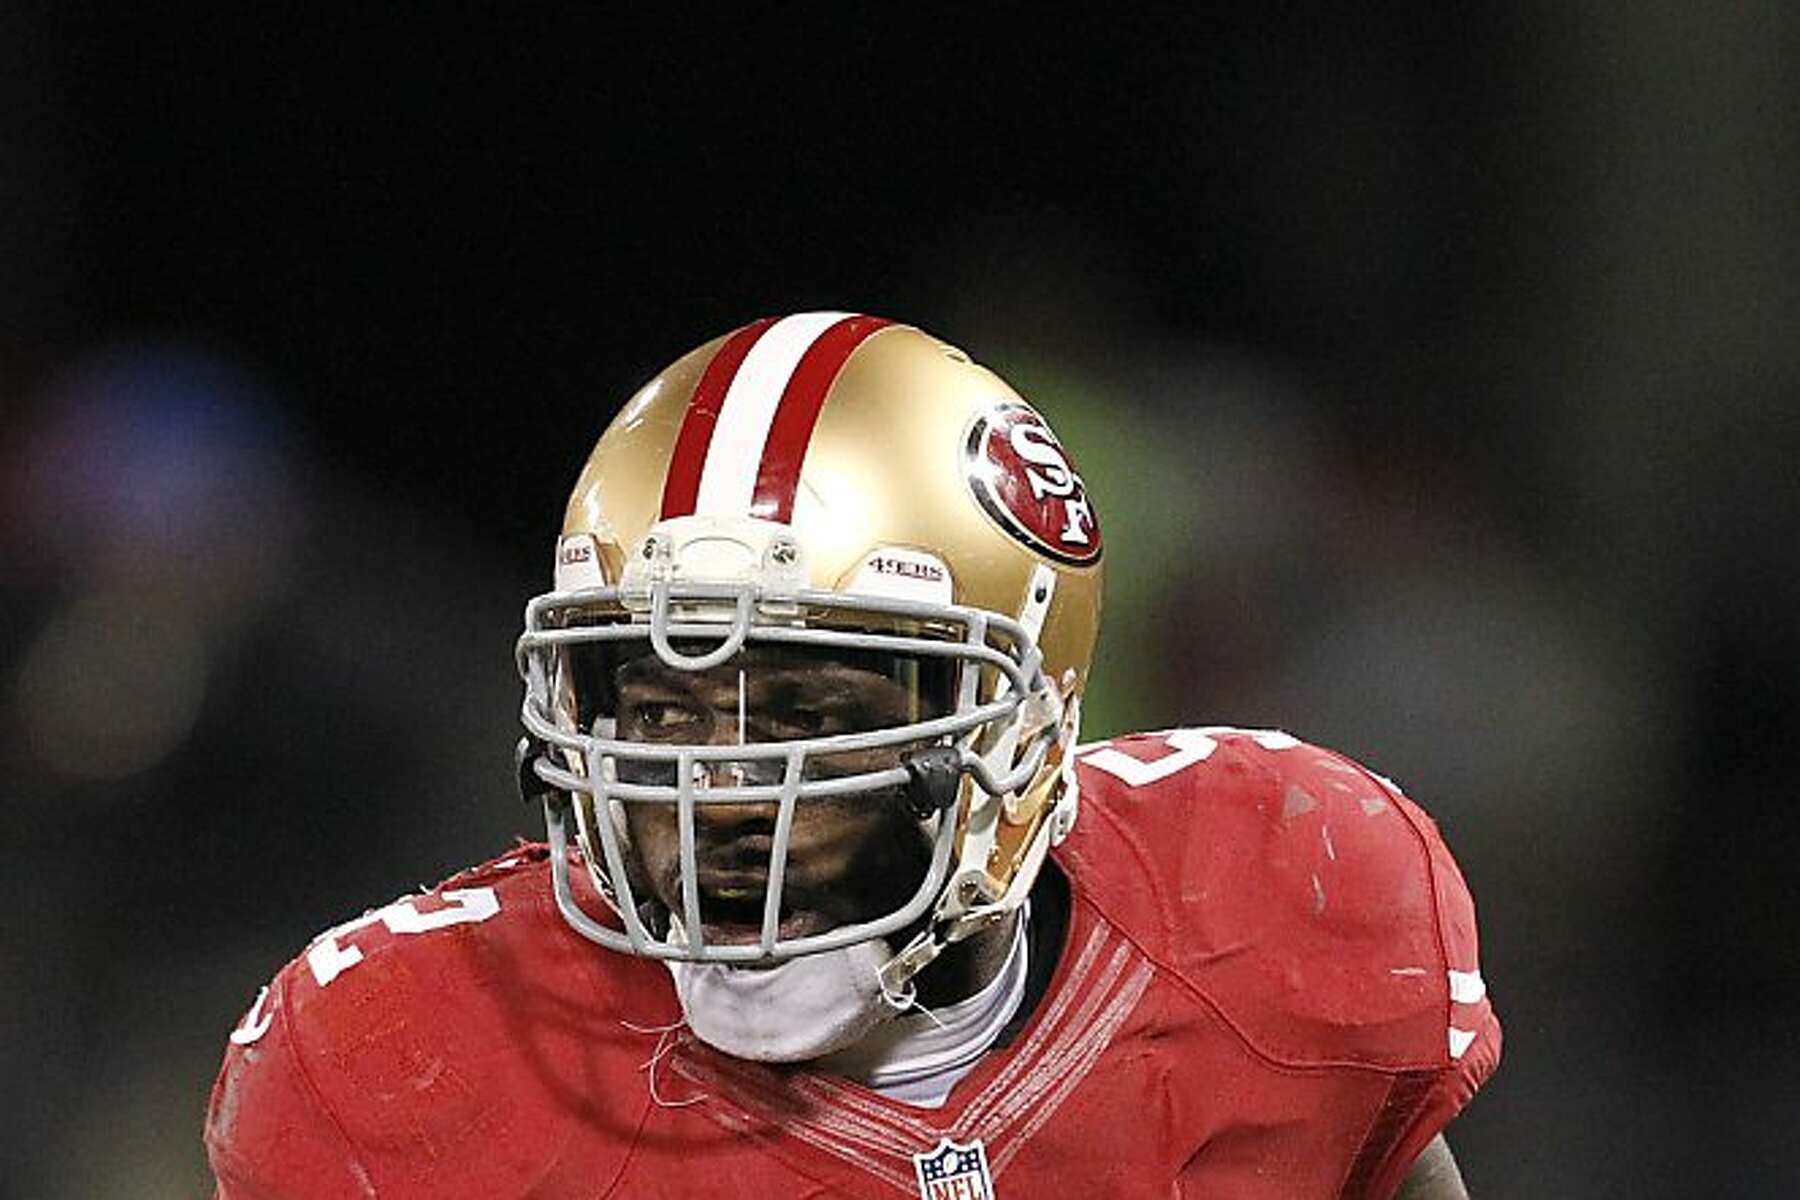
[[917, 1059]]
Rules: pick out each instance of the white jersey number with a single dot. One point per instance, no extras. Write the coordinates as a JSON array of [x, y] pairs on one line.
[[1185, 748], [330, 957]]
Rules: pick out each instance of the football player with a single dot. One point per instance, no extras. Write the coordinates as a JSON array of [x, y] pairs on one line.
[[833, 903]]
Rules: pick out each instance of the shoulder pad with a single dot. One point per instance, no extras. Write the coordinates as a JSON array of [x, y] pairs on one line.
[[446, 1043], [1300, 894]]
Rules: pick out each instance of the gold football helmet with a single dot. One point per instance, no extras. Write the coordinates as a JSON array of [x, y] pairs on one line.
[[842, 485]]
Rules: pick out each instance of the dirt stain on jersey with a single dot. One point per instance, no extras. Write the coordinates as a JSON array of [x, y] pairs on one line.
[[1297, 800]]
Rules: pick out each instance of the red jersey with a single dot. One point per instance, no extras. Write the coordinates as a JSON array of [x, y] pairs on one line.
[[1269, 988]]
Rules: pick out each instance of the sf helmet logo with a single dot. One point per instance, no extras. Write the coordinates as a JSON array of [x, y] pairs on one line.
[[1024, 480]]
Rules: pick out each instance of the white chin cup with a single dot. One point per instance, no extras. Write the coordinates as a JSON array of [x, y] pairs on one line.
[[796, 1010]]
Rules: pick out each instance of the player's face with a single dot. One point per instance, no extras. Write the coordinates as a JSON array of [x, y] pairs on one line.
[[849, 859]]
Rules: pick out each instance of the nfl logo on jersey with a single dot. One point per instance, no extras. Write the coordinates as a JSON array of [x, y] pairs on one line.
[[954, 1172]]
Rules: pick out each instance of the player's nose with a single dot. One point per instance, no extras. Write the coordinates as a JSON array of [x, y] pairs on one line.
[[731, 819], [716, 823]]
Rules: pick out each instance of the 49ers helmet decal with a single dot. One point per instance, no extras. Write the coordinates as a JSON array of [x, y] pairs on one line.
[[1025, 480]]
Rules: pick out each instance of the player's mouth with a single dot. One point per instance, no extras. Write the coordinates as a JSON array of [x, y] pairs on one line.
[[731, 908]]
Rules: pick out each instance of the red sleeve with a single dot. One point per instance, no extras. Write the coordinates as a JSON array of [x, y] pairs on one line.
[[1417, 1109], [1420, 1105], [269, 1135]]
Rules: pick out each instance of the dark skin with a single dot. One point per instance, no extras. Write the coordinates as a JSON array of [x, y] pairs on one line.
[[848, 860]]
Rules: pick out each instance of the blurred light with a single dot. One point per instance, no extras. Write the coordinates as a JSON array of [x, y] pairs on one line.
[[156, 482], [162, 459], [112, 685]]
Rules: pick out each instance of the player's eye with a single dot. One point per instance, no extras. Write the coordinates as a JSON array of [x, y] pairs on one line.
[[801, 721], [662, 717]]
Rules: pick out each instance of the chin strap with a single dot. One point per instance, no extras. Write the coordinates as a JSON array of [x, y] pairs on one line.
[[896, 974], [933, 786]]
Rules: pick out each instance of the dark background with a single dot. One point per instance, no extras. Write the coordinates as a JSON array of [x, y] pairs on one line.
[[1433, 369]]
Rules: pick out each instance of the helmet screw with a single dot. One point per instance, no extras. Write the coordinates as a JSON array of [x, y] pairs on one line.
[[782, 553], [649, 547]]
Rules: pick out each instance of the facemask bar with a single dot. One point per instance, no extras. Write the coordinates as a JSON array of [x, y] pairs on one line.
[[1023, 683], [637, 938]]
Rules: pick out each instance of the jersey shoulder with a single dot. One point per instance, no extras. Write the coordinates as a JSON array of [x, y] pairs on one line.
[[446, 1043], [1298, 893]]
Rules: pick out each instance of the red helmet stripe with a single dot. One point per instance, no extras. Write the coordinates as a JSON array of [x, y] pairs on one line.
[[681, 487], [791, 431]]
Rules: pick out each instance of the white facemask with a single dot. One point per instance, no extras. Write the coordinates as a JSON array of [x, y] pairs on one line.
[[796, 1010]]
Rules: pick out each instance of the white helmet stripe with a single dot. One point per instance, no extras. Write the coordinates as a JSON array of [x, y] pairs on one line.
[[728, 479]]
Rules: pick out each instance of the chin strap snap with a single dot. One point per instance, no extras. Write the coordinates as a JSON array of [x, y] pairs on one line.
[[896, 973], [933, 779]]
